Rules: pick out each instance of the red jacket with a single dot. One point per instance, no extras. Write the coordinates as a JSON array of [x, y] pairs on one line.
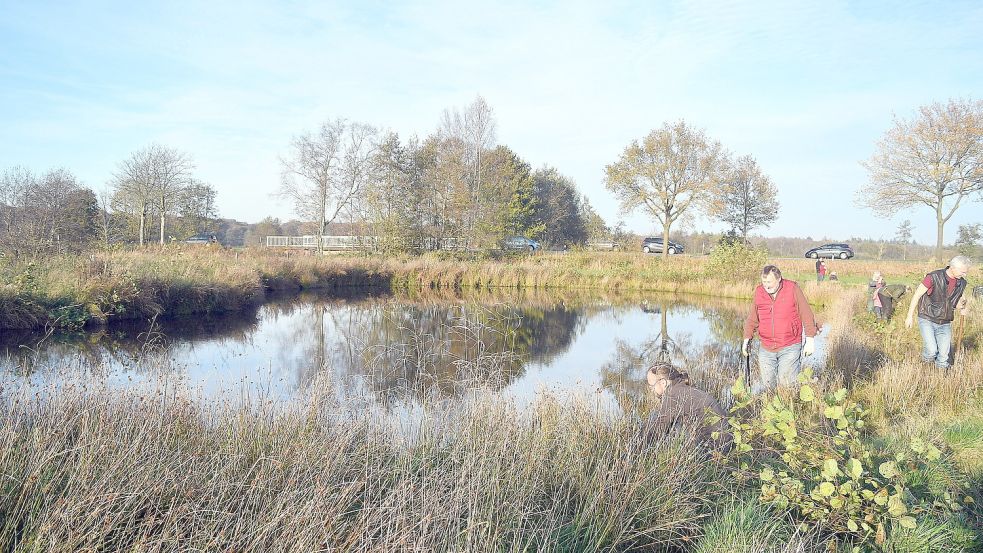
[[780, 321]]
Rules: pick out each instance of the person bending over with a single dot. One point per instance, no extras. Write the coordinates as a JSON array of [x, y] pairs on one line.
[[684, 408]]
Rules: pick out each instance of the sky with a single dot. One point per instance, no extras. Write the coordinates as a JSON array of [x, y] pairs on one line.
[[806, 88]]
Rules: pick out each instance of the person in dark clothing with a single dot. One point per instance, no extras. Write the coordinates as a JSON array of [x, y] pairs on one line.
[[937, 299], [684, 408], [820, 271], [889, 296]]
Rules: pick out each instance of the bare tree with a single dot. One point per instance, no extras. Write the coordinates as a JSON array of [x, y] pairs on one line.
[[172, 173], [934, 159], [52, 212], [151, 178], [14, 186], [472, 131], [672, 170], [327, 170], [747, 198], [196, 206], [104, 199]]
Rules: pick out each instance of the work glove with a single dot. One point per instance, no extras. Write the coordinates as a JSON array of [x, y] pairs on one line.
[[810, 346], [744, 347]]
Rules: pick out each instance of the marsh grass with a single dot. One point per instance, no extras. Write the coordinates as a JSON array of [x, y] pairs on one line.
[[745, 525], [90, 468], [176, 281]]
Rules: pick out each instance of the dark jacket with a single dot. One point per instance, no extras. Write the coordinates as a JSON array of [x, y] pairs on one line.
[[687, 409], [936, 306]]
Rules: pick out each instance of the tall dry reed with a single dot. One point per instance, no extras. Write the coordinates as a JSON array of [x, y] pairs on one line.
[[88, 467]]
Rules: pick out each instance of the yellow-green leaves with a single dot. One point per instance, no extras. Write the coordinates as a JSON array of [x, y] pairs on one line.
[[926, 450], [830, 469], [826, 489], [854, 468], [895, 506], [807, 394], [833, 412], [838, 477], [739, 389], [805, 376]]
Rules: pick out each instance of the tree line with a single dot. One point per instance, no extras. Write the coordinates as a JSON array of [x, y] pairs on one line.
[[459, 188], [933, 160], [677, 170], [456, 188], [54, 212]]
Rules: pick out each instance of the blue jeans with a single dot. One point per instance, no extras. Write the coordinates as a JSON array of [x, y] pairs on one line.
[[936, 341], [779, 367]]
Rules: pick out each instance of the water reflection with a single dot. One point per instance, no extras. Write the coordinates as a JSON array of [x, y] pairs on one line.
[[400, 348], [710, 353]]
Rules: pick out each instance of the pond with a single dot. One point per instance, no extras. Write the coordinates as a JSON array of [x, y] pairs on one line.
[[399, 349]]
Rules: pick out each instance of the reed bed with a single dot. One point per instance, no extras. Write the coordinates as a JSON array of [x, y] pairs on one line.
[[179, 281], [90, 468]]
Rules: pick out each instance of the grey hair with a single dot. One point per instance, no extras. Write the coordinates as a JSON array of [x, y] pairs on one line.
[[961, 260], [771, 270]]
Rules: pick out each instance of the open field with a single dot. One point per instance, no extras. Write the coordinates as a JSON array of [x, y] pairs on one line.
[[178, 281]]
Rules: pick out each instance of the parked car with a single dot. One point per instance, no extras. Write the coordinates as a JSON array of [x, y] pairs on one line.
[[842, 251], [520, 243], [610, 246], [654, 245], [201, 239]]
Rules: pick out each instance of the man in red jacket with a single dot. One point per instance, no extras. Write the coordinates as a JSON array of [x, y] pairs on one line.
[[780, 313]]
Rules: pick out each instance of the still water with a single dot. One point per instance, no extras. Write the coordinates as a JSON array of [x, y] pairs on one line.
[[402, 349]]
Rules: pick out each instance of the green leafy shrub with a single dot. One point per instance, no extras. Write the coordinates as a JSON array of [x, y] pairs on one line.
[[736, 259], [819, 467]]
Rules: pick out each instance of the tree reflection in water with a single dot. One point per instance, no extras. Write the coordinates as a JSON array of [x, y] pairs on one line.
[[408, 346], [712, 361], [435, 349], [133, 344]]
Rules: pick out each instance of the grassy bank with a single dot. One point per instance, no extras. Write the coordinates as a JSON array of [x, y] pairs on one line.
[[179, 281]]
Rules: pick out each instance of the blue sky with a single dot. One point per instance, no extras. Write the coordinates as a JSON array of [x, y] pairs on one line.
[[805, 87]]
